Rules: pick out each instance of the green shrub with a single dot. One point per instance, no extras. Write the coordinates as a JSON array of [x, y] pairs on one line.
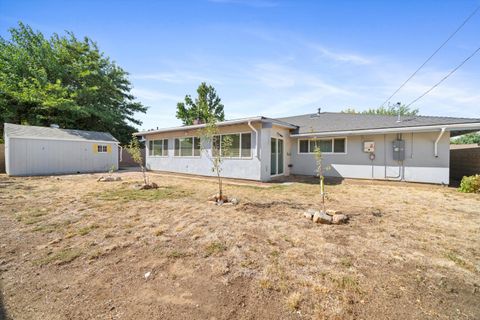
[[470, 184]]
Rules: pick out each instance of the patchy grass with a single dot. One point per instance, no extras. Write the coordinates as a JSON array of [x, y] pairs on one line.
[[86, 230], [128, 194], [259, 259], [214, 248], [293, 301], [62, 257]]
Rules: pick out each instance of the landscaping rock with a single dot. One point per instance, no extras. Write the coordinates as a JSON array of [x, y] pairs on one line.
[[108, 179], [339, 219], [234, 201], [322, 217], [309, 214], [332, 212]]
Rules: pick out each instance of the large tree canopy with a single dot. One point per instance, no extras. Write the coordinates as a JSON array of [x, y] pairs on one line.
[[206, 105], [65, 81], [389, 111]]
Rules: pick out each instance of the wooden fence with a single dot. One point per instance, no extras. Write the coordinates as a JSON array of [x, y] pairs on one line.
[[2, 158], [464, 160], [127, 160]]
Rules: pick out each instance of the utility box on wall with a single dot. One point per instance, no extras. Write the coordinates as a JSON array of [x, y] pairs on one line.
[[399, 150]]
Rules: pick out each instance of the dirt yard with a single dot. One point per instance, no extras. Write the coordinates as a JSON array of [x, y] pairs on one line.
[[75, 248]]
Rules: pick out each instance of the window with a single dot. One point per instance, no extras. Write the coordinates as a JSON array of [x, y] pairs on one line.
[[239, 145], [336, 145], [303, 146], [102, 148], [187, 147], [158, 148], [339, 145]]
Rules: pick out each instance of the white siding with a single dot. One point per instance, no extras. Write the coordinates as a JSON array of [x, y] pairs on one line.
[[43, 157]]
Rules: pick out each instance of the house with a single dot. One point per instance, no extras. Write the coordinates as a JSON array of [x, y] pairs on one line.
[[407, 148], [32, 150]]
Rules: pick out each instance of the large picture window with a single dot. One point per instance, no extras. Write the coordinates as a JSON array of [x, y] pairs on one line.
[[239, 145], [335, 145], [187, 147], [158, 148]]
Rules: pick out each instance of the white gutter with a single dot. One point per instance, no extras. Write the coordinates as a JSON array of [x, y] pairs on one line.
[[62, 139], [256, 137], [222, 123], [436, 141], [449, 127]]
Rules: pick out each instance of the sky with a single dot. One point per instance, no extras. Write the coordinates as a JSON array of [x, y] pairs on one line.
[[275, 58]]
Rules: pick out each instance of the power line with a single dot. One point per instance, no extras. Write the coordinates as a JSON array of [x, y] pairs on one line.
[[444, 78], [433, 54]]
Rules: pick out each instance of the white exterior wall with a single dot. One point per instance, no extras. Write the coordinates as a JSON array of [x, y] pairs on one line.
[[244, 168], [420, 164], [25, 157]]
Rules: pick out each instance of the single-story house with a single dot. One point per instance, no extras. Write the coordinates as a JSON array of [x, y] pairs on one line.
[[406, 148], [32, 150]]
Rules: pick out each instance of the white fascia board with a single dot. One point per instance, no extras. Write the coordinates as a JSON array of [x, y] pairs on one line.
[[220, 124], [62, 139], [448, 127]]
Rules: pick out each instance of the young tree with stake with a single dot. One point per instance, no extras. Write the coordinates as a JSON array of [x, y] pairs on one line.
[[210, 139], [135, 151]]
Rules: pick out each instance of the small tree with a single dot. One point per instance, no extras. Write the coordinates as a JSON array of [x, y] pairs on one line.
[[210, 139], [318, 157], [135, 151]]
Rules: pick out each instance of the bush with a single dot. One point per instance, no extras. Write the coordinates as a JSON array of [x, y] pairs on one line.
[[470, 184]]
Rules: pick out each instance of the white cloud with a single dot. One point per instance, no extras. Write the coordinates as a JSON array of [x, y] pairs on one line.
[[342, 57]]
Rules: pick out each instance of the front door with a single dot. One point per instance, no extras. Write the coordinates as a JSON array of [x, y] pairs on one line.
[[276, 159]]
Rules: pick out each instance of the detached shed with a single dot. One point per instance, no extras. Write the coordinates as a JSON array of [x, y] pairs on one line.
[[32, 150]]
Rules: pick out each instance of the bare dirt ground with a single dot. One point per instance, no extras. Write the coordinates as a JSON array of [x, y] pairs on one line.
[[74, 248]]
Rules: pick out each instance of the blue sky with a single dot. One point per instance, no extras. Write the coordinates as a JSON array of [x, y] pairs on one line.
[[275, 58]]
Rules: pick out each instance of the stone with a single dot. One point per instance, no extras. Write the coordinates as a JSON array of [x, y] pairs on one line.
[[339, 219], [332, 212], [234, 201], [322, 217], [147, 275], [118, 179], [308, 214], [153, 185]]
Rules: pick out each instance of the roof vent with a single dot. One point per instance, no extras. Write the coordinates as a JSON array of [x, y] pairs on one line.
[[55, 126], [319, 110], [398, 116]]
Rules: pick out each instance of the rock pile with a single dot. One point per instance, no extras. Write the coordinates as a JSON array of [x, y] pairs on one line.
[[327, 217], [223, 200], [109, 179]]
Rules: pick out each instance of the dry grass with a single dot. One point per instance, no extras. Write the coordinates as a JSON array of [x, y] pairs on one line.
[[409, 251]]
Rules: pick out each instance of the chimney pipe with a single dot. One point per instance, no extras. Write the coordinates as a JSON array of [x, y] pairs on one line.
[[319, 110], [398, 116]]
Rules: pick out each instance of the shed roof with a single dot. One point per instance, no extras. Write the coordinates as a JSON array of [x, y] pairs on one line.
[[35, 132], [333, 122]]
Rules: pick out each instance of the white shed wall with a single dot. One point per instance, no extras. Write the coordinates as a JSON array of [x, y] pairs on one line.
[[42, 157]]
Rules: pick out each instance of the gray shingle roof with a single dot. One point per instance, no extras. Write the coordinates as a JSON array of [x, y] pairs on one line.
[[331, 122], [15, 130]]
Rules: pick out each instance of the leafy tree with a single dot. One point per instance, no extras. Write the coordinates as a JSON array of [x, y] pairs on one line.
[[469, 138], [206, 106], [389, 111], [134, 149], [66, 81], [210, 140]]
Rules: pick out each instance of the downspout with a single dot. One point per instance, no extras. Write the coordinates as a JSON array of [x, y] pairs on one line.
[[438, 139], [256, 138]]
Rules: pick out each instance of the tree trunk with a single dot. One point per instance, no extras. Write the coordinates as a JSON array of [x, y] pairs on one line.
[[220, 189]]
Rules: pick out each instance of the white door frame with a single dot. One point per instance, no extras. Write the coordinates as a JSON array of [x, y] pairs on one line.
[[276, 151]]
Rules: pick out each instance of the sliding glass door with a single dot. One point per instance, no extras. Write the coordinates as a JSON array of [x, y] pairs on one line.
[[276, 157]]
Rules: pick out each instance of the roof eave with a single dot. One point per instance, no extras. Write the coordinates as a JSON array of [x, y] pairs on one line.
[[448, 127], [220, 124]]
